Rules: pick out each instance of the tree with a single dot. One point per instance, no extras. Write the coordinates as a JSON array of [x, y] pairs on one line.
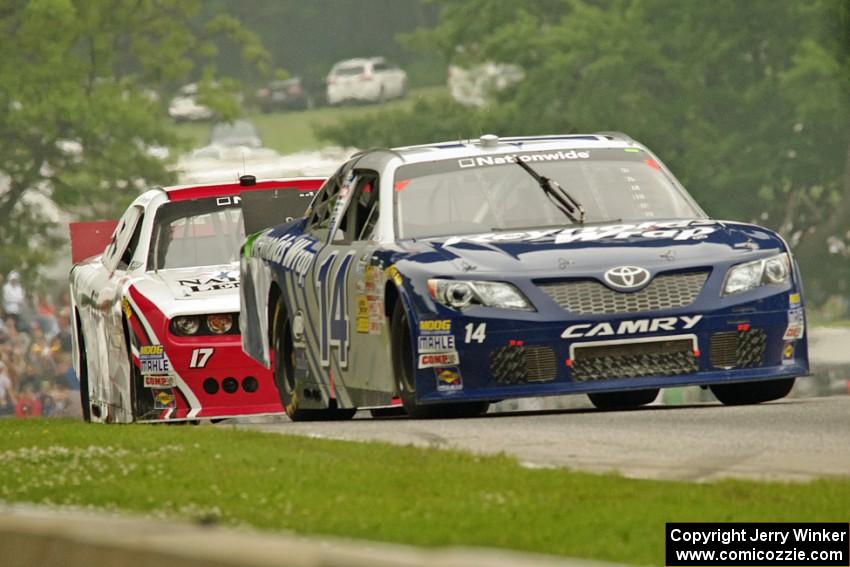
[[82, 105], [747, 101]]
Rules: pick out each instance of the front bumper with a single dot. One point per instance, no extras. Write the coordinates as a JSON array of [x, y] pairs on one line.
[[522, 358], [212, 378]]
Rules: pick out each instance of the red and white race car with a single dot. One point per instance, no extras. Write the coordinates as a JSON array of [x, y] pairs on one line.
[[156, 313]]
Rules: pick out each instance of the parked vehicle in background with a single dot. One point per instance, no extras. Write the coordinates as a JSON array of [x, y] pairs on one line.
[[237, 133], [474, 86], [365, 80], [288, 94], [155, 311], [184, 107]]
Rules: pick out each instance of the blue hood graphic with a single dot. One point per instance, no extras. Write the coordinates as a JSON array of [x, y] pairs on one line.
[[657, 246]]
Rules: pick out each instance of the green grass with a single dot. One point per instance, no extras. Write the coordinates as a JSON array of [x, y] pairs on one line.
[[378, 491], [289, 132]]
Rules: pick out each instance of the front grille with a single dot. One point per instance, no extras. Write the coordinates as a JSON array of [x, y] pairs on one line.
[[632, 360], [590, 297], [522, 364], [738, 349]]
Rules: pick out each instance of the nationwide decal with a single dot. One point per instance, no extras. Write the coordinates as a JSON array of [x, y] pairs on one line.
[[152, 360], [221, 280], [796, 325], [484, 161], [436, 343], [439, 359], [793, 300], [673, 230], [159, 381], [448, 379], [630, 327], [435, 326], [291, 253]]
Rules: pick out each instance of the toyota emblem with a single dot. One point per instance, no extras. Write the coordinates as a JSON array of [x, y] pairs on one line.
[[626, 277]]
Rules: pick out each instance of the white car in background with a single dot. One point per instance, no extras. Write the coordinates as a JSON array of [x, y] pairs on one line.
[[367, 80], [475, 86], [185, 106]]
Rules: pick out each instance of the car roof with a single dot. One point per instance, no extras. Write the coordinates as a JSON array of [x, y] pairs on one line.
[[357, 61], [490, 145], [188, 192]]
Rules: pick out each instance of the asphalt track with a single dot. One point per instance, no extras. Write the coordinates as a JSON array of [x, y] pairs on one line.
[[793, 439]]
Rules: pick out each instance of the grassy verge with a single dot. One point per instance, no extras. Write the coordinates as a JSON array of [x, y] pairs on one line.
[[377, 491], [289, 132]]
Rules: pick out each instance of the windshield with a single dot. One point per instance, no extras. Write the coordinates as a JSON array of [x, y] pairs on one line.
[[202, 232], [486, 193]]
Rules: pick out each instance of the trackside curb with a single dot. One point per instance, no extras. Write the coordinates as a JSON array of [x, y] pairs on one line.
[[39, 537]]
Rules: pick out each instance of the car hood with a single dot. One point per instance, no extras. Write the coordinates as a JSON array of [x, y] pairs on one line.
[[592, 249], [188, 291]]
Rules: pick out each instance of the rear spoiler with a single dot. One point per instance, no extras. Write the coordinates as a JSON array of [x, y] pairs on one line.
[[265, 208], [90, 238]]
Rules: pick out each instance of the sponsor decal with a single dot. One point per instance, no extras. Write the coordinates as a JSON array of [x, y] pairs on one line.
[[626, 277], [436, 343], [393, 274], [673, 230], [435, 326], [163, 399], [788, 353], [128, 311], [793, 300], [221, 280], [159, 381], [293, 254], [362, 325], [631, 327], [448, 379], [438, 359], [484, 161], [796, 325], [152, 360]]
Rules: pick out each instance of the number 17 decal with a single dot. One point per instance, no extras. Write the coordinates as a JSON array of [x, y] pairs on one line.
[[333, 301]]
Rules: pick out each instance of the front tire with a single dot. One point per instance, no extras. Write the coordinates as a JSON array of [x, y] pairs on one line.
[[747, 393], [402, 358], [623, 400], [284, 377], [85, 400]]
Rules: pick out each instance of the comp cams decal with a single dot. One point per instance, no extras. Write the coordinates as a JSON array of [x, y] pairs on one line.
[[630, 327], [673, 230], [439, 359]]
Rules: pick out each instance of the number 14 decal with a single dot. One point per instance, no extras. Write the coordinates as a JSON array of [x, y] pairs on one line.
[[475, 333], [333, 300]]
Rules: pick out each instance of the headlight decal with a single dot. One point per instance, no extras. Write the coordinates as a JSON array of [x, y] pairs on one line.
[[773, 270], [459, 294]]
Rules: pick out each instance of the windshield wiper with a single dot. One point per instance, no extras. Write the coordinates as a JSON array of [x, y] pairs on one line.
[[557, 194]]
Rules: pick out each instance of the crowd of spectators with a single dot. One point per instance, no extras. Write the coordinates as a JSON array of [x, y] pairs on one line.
[[36, 372]]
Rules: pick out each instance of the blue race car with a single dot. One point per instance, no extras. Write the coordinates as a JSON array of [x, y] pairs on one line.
[[447, 276]]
